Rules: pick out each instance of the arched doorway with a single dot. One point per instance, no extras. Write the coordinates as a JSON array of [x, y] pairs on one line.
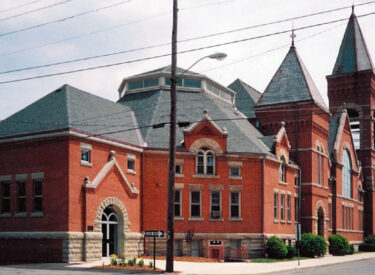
[[320, 222], [110, 231]]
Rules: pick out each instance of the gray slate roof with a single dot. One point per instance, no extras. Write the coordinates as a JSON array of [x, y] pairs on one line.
[[246, 97], [353, 54], [153, 107], [291, 83], [333, 127], [68, 107]]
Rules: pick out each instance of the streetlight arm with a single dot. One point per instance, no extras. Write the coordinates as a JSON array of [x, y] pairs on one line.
[[217, 56]]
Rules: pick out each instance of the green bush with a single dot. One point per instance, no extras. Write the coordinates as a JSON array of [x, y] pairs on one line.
[[351, 249], [150, 264], [141, 263], [131, 262], [368, 247], [292, 251], [312, 245], [338, 245], [275, 248]]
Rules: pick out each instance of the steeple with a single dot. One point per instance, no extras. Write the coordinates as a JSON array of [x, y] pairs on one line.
[[353, 54]]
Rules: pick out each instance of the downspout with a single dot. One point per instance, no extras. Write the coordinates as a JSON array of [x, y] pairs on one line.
[[141, 198], [264, 195], [84, 215]]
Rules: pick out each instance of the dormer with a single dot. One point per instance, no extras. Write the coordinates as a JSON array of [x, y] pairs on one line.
[[205, 134]]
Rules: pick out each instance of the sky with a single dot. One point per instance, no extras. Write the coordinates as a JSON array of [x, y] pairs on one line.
[[136, 24]]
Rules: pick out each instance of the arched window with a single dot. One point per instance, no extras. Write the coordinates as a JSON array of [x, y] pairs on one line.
[[346, 175], [282, 176], [205, 162]]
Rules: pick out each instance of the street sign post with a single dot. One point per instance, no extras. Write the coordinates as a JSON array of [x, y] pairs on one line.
[[154, 234]]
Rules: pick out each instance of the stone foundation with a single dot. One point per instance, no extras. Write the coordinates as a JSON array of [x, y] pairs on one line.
[[133, 246]]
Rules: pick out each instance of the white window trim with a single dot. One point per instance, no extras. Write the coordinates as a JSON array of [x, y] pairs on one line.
[[239, 218], [239, 177], [220, 206], [130, 157], [200, 205], [205, 153], [86, 147]]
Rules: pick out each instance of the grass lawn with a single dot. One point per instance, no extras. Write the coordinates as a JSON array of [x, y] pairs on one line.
[[271, 260]]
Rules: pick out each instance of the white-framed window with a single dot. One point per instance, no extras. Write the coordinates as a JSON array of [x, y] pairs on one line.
[[288, 207], [86, 154], [282, 207], [282, 175], [234, 171], [195, 203], [205, 162], [130, 163], [235, 203], [5, 197], [215, 205], [177, 203], [346, 175], [21, 196], [275, 205], [178, 169], [37, 195]]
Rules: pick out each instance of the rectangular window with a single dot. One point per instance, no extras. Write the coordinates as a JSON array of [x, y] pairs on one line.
[[275, 206], [177, 203], [215, 204], [86, 155], [296, 183], [177, 248], [195, 203], [178, 169], [288, 206], [360, 219], [322, 169], [5, 197], [193, 83], [296, 209], [234, 204], [317, 169], [330, 215], [131, 164], [343, 217], [282, 207], [21, 196], [195, 248], [37, 195], [235, 171]]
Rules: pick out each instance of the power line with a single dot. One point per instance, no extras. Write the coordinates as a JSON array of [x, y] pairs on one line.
[[34, 10], [65, 18], [20, 6], [181, 52]]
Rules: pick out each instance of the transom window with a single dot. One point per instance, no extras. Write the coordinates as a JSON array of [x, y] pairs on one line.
[[205, 162], [346, 175]]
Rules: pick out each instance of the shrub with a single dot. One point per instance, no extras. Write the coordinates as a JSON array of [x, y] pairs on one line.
[[351, 249], [338, 245], [131, 262], [292, 251], [150, 264], [368, 245], [141, 262], [275, 248], [312, 245]]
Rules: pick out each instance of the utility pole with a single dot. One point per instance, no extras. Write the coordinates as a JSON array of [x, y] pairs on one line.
[[172, 145]]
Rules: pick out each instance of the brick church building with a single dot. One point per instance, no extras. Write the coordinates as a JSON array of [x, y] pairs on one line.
[[82, 177]]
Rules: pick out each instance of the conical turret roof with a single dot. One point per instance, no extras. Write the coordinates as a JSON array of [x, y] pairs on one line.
[[291, 83], [353, 54]]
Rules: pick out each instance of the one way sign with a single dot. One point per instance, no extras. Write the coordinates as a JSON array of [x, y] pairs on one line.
[[154, 233]]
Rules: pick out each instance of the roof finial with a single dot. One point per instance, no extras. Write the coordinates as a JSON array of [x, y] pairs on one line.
[[292, 35], [353, 8]]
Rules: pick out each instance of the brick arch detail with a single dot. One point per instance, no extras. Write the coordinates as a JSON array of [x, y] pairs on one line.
[[205, 142], [318, 205], [122, 214]]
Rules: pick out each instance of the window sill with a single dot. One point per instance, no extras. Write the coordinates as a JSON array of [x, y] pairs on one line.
[[289, 222], [37, 214], [202, 176], [216, 219], [85, 163], [283, 183], [282, 221], [196, 219], [276, 221], [130, 171], [5, 215], [235, 177], [235, 219], [179, 175], [21, 214], [178, 218]]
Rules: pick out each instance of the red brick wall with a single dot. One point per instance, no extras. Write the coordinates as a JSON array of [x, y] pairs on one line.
[[50, 157]]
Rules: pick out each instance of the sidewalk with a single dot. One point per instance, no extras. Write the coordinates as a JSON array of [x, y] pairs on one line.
[[251, 268]]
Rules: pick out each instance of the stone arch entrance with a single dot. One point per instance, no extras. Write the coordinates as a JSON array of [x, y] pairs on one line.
[[321, 222], [112, 218]]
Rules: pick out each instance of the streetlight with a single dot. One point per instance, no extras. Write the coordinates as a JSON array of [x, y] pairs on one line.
[[172, 137]]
